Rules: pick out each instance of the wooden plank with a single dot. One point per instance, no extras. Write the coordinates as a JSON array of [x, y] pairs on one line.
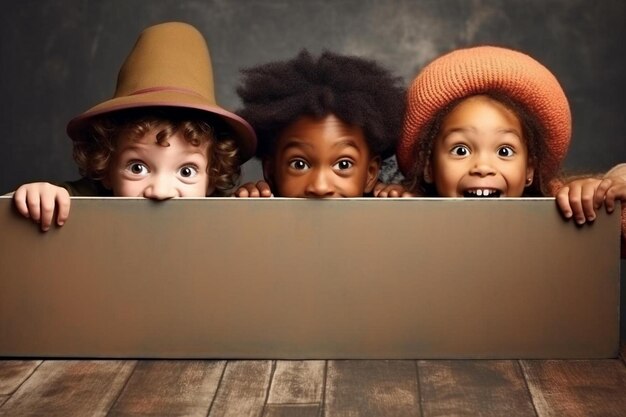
[[371, 388], [585, 388], [13, 373], [3, 398], [243, 389], [297, 382], [69, 388], [170, 388], [470, 388], [292, 410]]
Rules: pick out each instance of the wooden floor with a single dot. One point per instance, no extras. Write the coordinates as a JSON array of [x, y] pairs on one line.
[[313, 388]]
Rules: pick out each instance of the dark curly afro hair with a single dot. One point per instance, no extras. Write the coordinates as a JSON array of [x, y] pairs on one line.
[[358, 91]]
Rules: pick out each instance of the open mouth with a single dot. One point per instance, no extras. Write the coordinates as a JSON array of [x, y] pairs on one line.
[[482, 193]]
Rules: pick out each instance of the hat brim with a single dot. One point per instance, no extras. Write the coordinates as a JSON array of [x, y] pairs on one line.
[[245, 136]]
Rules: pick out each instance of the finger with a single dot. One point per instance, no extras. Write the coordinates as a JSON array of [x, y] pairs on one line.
[[394, 193], [407, 194], [33, 202], [252, 190], [598, 198], [562, 201], [378, 188], [47, 202], [587, 194], [615, 193], [575, 202], [19, 198], [609, 200], [242, 192], [63, 208], [264, 189]]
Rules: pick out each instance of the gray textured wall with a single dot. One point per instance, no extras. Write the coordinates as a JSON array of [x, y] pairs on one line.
[[60, 57]]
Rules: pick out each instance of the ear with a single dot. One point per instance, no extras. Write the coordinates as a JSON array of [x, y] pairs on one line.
[[268, 171], [373, 169], [530, 174], [428, 172]]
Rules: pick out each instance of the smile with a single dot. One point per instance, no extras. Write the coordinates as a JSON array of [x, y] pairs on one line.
[[482, 193]]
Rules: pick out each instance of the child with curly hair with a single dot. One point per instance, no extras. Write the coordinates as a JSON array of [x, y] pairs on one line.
[[324, 124], [489, 122], [161, 136]]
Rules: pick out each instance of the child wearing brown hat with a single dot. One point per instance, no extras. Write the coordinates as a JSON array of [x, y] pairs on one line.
[[162, 135], [324, 124], [493, 122]]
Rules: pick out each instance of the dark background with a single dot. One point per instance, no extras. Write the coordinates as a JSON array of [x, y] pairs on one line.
[[60, 57]]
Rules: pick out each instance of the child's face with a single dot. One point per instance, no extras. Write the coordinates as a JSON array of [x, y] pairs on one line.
[[144, 168], [321, 158], [480, 152]]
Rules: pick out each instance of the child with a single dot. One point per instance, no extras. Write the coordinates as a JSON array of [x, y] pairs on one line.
[[491, 122], [162, 135], [323, 124]]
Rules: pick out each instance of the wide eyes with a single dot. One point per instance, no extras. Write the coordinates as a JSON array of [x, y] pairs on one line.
[[301, 165], [343, 164], [506, 152], [188, 171], [298, 164], [141, 169], [460, 150], [137, 168]]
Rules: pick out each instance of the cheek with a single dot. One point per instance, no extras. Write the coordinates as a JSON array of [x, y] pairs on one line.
[[289, 186], [122, 188]]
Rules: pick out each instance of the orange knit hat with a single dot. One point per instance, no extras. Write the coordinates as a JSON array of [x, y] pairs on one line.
[[466, 72]]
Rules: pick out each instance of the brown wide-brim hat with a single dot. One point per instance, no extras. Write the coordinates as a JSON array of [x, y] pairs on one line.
[[169, 66], [471, 71]]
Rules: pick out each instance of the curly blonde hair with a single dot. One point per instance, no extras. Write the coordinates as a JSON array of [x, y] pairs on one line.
[[94, 149]]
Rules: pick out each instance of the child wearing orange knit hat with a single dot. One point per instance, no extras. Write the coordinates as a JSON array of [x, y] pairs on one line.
[[493, 122]]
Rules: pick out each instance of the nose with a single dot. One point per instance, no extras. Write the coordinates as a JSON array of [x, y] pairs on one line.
[[161, 188], [482, 166], [320, 185]]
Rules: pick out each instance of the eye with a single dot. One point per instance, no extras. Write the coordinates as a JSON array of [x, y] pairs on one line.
[[298, 164], [188, 171], [137, 168], [506, 151], [460, 150], [343, 164]]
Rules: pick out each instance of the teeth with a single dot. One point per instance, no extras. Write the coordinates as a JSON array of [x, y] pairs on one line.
[[482, 192]]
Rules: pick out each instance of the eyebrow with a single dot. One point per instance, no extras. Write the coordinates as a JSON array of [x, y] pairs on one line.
[[297, 142], [346, 142]]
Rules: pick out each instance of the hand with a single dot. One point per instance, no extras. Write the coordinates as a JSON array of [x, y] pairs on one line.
[[382, 190], [611, 189], [38, 201], [250, 189], [578, 199]]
